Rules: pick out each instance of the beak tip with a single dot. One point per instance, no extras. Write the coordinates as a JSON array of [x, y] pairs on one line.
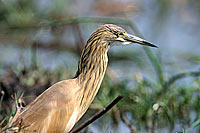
[[155, 46], [150, 44]]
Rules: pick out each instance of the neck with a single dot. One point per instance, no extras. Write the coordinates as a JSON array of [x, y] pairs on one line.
[[91, 70]]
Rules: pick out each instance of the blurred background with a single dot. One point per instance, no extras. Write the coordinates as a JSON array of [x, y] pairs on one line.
[[41, 42]]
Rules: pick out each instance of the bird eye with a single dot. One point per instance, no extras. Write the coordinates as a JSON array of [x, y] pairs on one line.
[[120, 34]]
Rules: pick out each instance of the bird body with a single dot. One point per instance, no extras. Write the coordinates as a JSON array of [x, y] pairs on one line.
[[64, 103], [51, 109]]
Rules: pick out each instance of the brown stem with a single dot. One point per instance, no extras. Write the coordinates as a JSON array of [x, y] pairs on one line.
[[127, 122], [80, 40]]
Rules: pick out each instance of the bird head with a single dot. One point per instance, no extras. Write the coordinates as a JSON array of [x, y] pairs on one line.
[[117, 35]]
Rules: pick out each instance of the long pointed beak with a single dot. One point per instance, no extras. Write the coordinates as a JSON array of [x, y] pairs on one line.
[[135, 39]]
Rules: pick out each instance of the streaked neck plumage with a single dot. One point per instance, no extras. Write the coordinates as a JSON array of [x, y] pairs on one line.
[[91, 69]]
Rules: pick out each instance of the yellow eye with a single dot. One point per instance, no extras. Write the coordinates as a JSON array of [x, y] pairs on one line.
[[120, 34]]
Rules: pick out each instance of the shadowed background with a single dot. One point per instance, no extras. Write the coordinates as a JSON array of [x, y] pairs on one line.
[[41, 42]]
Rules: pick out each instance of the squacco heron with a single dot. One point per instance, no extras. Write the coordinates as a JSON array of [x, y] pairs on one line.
[[64, 103]]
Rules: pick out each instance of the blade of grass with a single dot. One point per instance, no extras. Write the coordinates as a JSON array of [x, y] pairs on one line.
[[195, 124]]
